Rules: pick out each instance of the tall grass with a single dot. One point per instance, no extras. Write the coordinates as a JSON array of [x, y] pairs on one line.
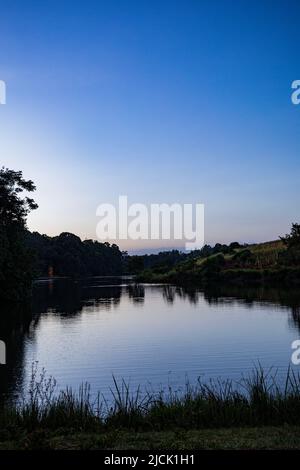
[[43, 407], [267, 254], [256, 400]]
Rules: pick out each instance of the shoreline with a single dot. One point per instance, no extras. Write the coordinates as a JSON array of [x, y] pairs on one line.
[[242, 277], [207, 415]]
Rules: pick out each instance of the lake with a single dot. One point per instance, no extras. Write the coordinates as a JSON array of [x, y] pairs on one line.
[[150, 335]]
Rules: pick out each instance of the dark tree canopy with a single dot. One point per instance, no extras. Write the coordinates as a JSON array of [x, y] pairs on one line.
[[16, 270], [291, 256], [292, 239], [67, 255], [13, 207], [25, 255]]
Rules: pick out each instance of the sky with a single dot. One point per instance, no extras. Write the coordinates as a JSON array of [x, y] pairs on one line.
[[162, 101]]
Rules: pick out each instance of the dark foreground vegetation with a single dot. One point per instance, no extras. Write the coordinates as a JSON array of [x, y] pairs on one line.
[[213, 415], [267, 437]]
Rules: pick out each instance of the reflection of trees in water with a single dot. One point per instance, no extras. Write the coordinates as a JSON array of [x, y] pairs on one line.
[[62, 296], [68, 299], [192, 295], [288, 297], [246, 296], [170, 293], [14, 325], [294, 319], [249, 296], [65, 298], [136, 292]]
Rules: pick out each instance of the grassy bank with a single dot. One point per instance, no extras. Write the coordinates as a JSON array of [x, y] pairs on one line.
[[206, 416], [264, 263], [271, 437]]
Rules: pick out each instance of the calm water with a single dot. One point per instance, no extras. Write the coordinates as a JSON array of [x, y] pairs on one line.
[[151, 334]]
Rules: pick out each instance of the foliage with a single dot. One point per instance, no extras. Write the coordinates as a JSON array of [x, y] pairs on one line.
[[271, 262], [244, 258], [292, 239], [16, 268], [256, 400], [167, 260], [67, 255], [291, 256]]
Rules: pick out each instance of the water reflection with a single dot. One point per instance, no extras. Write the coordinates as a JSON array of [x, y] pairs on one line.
[[68, 297], [14, 326], [68, 300], [136, 293]]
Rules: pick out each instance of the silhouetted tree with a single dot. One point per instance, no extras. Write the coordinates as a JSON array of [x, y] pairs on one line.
[[16, 267], [67, 255], [292, 239], [291, 256]]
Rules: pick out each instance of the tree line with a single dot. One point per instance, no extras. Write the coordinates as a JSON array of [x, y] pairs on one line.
[[25, 255], [166, 260], [67, 255]]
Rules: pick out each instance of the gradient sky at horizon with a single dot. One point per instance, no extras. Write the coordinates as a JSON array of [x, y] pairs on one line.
[[163, 101]]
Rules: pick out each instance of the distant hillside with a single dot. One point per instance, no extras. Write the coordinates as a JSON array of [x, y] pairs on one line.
[[270, 262]]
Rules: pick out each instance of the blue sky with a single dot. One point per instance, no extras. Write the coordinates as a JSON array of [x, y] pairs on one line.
[[163, 101]]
